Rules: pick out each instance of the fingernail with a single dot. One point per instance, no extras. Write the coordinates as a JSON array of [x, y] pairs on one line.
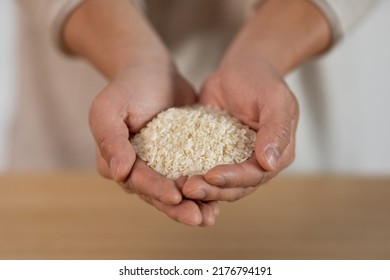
[[272, 155], [114, 167], [217, 180]]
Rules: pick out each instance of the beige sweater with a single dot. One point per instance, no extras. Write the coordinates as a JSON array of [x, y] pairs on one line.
[[55, 90]]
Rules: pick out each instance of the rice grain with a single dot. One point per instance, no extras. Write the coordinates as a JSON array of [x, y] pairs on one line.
[[191, 140]]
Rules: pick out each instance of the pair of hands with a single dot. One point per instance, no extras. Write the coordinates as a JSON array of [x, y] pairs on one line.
[[250, 90], [118, 40]]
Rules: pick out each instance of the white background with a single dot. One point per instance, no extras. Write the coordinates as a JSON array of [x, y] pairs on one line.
[[345, 113], [356, 96]]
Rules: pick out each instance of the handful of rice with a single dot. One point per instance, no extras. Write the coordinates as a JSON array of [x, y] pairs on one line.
[[191, 140]]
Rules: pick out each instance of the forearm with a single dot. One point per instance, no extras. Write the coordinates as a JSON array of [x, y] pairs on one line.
[[283, 33], [112, 35]]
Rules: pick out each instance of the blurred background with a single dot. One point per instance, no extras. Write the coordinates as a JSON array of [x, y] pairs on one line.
[[7, 73], [344, 99], [344, 123]]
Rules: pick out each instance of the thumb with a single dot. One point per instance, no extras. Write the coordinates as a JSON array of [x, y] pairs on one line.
[[272, 139], [112, 138]]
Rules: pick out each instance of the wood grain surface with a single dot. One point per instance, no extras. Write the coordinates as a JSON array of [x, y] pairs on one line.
[[81, 216]]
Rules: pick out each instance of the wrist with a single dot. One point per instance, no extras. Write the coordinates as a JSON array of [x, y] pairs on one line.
[[283, 34], [112, 35], [148, 58]]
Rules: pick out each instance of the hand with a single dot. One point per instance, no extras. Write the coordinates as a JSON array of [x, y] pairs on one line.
[[255, 93], [143, 81], [123, 108], [249, 84]]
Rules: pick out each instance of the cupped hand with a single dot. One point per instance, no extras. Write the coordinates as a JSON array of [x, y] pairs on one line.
[[279, 36], [254, 92], [123, 108]]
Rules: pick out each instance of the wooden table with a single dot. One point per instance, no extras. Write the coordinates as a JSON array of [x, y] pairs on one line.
[[81, 216]]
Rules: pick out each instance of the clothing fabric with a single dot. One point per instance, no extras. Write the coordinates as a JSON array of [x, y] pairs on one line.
[[343, 14], [55, 90]]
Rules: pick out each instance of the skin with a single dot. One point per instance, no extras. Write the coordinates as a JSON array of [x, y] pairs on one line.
[[142, 81], [249, 84]]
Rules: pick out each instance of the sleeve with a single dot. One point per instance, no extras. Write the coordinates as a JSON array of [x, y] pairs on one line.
[[48, 16], [342, 15], [51, 15], [62, 14]]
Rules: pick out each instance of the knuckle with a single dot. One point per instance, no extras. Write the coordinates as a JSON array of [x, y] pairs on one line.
[[286, 99], [236, 181], [290, 157], [237, 195], [281, 133], [95, 109]]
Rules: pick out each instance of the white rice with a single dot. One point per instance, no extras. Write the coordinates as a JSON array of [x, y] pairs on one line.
[[191, 140]]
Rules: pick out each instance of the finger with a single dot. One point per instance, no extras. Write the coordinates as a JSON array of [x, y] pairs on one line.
[[244, 174], [208, 96], [275, 131], [145, 181], [215, 207], [197, 188], [288, 154], [112, 137], [247, 173], [209, 100], [187, 212], [209, 210], [181, 181]]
